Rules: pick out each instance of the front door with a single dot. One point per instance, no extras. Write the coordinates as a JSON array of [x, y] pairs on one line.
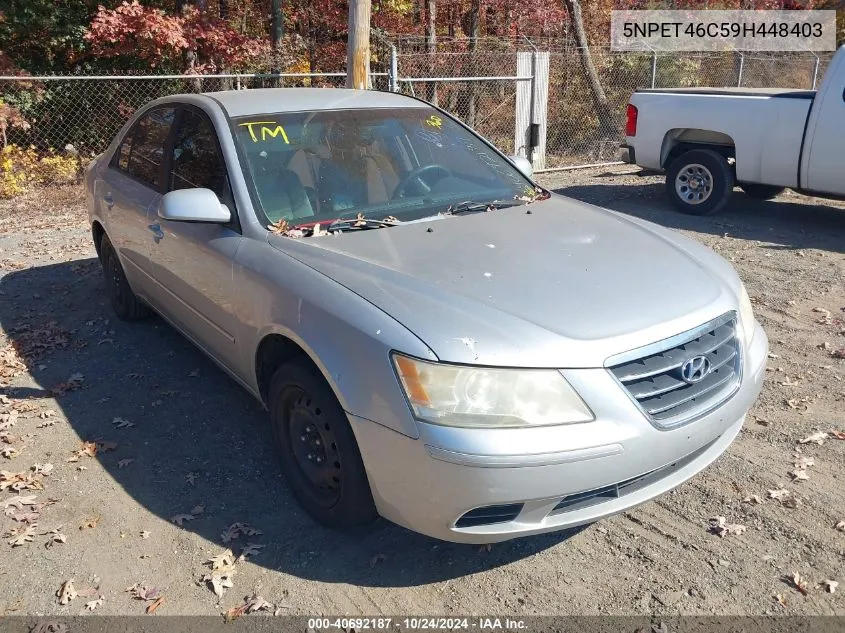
[[192, 261]]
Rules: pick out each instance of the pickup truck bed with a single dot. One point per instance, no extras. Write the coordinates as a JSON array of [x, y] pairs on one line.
[[763, 139]]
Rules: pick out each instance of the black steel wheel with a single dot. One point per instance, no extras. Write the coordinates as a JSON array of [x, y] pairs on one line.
[[123, 301], [319, 454]]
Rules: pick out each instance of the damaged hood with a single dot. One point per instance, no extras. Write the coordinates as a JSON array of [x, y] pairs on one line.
[[557, 283]]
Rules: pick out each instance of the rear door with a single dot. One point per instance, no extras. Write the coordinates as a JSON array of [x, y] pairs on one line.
[[193, 262], [130, 189]]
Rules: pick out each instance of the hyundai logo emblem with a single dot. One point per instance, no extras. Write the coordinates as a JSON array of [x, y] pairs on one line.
[[695, 369]]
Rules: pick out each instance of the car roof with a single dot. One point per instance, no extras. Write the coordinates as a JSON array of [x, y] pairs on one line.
[[259, 100]]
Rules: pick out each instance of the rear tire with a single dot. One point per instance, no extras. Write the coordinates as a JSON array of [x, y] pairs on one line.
[[318, 451], [699, 182], [761, 192], [123, 301]]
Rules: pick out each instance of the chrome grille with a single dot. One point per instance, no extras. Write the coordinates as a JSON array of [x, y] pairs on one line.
[[653, 374]]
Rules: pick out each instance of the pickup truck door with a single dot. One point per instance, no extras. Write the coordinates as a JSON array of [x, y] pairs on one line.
[[824, 169], [194, 262], [130, 191]]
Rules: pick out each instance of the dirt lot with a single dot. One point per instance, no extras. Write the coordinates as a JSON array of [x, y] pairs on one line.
[[198, 449]]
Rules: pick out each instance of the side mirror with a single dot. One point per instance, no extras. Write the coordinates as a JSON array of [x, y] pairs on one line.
[[193, 205], [523, 164]]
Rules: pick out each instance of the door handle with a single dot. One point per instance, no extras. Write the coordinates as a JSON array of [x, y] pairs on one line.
[[109, 200], [158, 234]]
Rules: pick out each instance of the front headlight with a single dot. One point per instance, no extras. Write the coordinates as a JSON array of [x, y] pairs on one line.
[[456, 395], [746, 316]]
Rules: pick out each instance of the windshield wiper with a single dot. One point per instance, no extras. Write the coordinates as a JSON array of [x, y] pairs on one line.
[[361, 223], [471, 206]]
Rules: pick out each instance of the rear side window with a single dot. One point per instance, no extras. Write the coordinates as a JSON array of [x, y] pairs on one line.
[[142, 152], [196, 160]]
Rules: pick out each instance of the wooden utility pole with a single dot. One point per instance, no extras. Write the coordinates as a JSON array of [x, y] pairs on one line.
[[358, 45]]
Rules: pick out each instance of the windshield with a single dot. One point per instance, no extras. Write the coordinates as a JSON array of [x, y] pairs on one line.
[[403, 164]]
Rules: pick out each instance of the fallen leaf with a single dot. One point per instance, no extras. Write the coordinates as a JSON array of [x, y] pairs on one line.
[[278, 227], [22, 536], [23, 516], [378, 558], [123, 463], [145, 534], [778, 494], [142, 592], [799, 475], [818, 438], [49, 626], [838, 353], [66, 592], [120, 423], [840, 526], [198, 509], [800, 583], [235, 530], [250, 549], [179, 519], [755, 499], [251, 605], [222, 560], [781, 600], [19, 502], [830, 585], [839, 435], [803, 462], [152, 608], [720, 526], [56, 536], [42, 469], [90, 523], [93, 604], [191, 478], [9, 452], [219, 582]]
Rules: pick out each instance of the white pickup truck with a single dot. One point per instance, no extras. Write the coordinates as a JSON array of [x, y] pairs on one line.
[[710, 139]]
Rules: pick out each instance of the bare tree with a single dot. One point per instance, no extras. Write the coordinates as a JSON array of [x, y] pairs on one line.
[[607, 122], [472, 31], [277, 33], [431, 46]]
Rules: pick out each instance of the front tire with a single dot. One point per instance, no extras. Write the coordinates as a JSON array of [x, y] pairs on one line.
[[761, 192], [699, 182], [125, 304], [318, 451]]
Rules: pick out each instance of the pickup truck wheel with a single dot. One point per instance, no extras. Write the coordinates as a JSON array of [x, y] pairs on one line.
[[123, 301], [761, 192], [319, 454], [699, 182]]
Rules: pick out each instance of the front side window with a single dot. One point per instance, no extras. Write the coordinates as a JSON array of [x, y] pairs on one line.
[[196, 160], [149, 136], [404, 163]]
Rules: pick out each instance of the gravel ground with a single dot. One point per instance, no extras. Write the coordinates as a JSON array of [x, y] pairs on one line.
[[198, 449]]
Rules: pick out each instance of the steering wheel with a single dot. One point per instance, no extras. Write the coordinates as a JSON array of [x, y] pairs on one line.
[[416, 178]]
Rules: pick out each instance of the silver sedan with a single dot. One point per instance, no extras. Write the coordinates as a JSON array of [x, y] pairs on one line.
[[438, 340]]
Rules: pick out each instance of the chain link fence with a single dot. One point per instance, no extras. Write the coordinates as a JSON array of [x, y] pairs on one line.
[[480, 83], [576, 135]]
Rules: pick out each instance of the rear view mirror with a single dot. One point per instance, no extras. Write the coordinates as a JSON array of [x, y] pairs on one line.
[[193, 205], [524, 165]]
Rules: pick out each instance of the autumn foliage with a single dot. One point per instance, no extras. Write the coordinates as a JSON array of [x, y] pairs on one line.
[[193, 41]]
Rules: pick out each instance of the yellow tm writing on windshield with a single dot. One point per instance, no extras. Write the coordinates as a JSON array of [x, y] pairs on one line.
[[264, 131]]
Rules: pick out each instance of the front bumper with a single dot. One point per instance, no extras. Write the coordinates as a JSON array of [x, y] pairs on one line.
[[427, 484]]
